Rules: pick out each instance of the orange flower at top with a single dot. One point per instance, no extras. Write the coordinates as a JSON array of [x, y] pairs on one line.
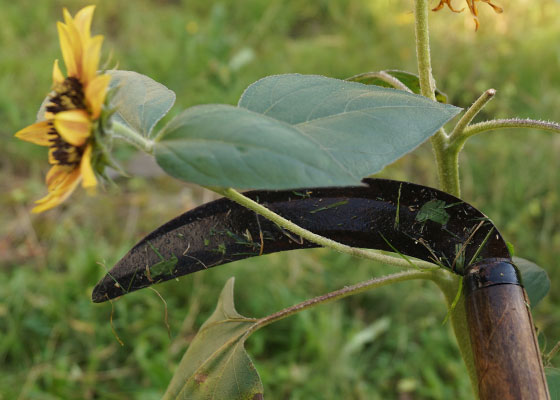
[[73, 107], [472, 7]]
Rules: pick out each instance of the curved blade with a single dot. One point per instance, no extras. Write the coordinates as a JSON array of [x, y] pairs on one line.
[[415, 220]]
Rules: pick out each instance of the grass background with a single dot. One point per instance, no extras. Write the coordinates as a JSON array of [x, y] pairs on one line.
[[385, 344]]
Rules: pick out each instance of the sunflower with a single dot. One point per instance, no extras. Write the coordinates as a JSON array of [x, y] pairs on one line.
[[72, 111], [472, 7]]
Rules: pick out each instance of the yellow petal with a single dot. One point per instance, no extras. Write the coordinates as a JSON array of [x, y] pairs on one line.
[[57, 76], [67, 185], [90, 59], [37, 133], [86, 170], [83, 21], [60, 193], [69, 49], [47, 202], [95, 94], [57, 174], [73, 126], [67, 16], [52, 159]]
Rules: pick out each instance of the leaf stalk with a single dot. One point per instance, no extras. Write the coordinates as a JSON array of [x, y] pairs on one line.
[[239, 198], [131, 136], [345, 292]]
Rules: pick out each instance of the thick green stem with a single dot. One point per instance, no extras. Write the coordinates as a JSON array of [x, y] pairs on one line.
[[448, 169], [449, 285], [448, 178], [133, 137], [448, 173], [427, 84], [246, 202], [455, 142]]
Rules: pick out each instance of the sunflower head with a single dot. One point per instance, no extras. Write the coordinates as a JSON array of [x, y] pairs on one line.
[[472, 8], [71, 125]]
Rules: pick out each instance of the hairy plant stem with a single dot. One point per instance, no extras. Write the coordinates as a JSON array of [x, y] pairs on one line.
[[475, 129], [447, 162], [471, 113], [449, 285], [246, 202], [131, 136], [463, 131], [447, 171], [427, 84], [345, 292]]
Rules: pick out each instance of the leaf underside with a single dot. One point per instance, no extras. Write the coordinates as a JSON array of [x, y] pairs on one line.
[[140, 102], [298, 130]]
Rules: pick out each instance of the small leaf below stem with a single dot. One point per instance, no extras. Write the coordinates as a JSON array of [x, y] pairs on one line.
[[535, 280], [216, 365]]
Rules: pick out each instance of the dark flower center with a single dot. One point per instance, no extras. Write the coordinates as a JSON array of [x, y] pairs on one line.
[[68, 95]]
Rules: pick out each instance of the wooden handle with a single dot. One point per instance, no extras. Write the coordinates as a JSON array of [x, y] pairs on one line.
[[503, 339]]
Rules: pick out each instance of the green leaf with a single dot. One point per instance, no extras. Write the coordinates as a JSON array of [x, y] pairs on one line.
[[553, 380], [294, 131], [410, 80], [535, 280], [140, 101], [220, 145], [363, 127], [216, 365]]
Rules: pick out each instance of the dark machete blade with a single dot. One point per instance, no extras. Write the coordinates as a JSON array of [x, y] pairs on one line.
[[416, 220]]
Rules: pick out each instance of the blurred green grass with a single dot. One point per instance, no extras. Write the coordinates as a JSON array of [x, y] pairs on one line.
[[55, 343]]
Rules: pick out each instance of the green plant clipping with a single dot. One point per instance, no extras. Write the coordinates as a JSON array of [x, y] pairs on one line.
[[140, 102], [535, 280], [433, 210], [216, 365], [298, 130], [164, 267]]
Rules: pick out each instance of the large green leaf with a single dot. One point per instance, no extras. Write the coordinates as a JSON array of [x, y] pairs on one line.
[[409, 79], [140, 101], [220, 145], [298, 130], [535, 280], [216, 365], [363, 127], [553, 380]]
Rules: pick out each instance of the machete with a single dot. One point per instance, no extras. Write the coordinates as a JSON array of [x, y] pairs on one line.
[[414, 220]]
